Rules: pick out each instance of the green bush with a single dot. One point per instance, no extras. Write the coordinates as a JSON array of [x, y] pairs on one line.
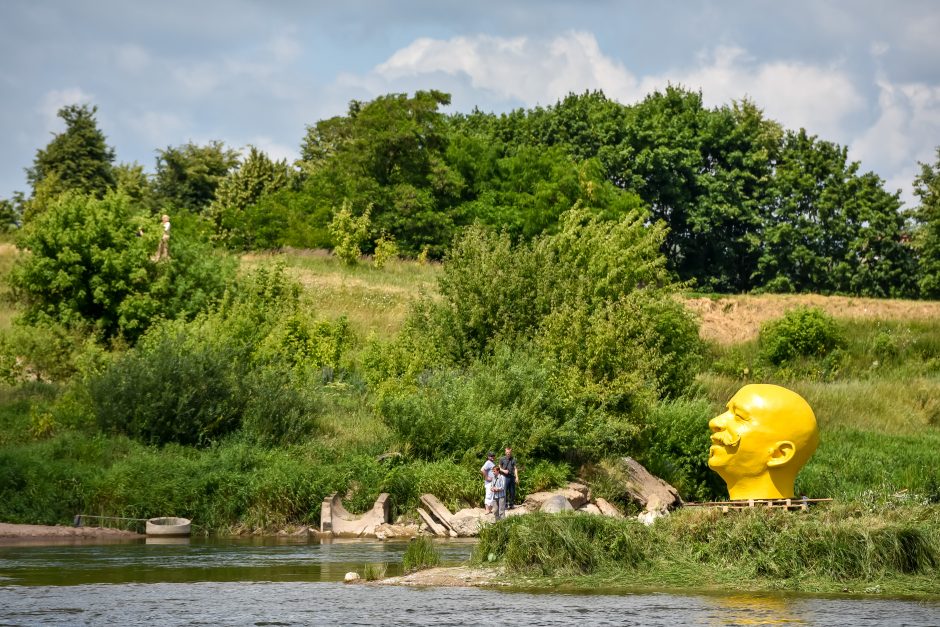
[[255, 361], [675, 448], [87, 269], [801, 332]]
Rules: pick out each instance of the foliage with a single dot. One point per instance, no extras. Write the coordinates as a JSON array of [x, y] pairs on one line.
[[387, 154], [675, 449], [349, 232], [420, 554], [255, 362], [927, 232], [76, 160], [188, 175], [86, 267], [801, 332], [386, 249], [255, 177]]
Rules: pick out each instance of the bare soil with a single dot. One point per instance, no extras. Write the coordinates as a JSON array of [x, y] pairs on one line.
[[733, 319], [450, 577]]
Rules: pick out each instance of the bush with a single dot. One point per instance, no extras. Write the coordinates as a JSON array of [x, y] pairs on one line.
[[801, 332], [676, 446], [254, 361], [87, 269]]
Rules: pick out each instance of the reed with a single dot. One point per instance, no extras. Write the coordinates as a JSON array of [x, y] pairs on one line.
[[420, 554]]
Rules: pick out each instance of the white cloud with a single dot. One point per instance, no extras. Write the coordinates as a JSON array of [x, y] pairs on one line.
[[55, 99], [906, 131], [533, 71], [540, 71], [284, 48], [798, 95], [273, 149]]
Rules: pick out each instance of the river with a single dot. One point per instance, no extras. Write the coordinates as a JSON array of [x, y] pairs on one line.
[[296, 582]]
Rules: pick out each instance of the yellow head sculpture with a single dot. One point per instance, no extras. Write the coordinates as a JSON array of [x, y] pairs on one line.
[[762, 441]]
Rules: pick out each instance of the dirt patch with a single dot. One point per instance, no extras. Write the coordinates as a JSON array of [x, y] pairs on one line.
[[450, 577], [733, 319], [15, 533]]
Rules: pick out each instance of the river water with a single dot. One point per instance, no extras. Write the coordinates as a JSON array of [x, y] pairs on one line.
[[293, 582]]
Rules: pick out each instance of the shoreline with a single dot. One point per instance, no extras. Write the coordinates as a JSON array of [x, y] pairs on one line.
[[12, 533], [467, 576]]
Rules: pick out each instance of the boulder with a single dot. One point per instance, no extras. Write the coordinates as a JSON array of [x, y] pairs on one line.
[[351, 577], [646, 490], [467, 522], [607, 509], [557, 503], [577, 494], [387, 531], [590, 508]]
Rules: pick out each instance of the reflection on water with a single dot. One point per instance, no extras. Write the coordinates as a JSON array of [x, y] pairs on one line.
[[293, 582], [746, 609]]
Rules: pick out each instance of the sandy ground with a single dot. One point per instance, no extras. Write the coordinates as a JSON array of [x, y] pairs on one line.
[[733, 319], [17, 533], [449, 577]]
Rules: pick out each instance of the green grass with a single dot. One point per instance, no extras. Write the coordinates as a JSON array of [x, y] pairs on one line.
[[842, 547], [421, 553], [376, 301]]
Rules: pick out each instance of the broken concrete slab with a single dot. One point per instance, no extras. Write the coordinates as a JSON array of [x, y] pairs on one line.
[[335, 519]]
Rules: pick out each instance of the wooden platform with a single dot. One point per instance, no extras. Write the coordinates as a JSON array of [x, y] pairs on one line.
[[800, 504]]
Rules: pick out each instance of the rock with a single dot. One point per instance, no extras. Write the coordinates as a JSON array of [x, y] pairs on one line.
[[648, 491], [467, 522], [649, 517], [590, 508], [607, 509], [557, 503], [577, 495], [351, 577], [386, 531]]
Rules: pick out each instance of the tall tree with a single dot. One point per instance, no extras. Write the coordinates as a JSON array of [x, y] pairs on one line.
[[388, 154], [77, 159], [187, 176], [927, 229], [239, 192]]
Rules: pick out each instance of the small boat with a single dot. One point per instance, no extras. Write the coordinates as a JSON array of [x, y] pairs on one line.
[[168, 526]]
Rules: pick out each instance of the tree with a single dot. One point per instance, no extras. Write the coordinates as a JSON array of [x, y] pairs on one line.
[[256, 177], [11, 212], [829, 229], [85, 267], [927, 228], [77, 159], [187, 176], [387, 154]]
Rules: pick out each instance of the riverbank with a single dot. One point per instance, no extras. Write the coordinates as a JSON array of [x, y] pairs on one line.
[[11, 533]]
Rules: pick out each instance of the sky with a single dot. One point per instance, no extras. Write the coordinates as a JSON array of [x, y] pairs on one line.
[[861, 73]]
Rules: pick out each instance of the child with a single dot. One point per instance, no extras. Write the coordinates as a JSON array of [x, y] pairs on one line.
[[498, 487], [487, 472]]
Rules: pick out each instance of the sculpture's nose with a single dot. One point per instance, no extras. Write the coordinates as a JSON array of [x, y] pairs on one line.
[[718, 423]]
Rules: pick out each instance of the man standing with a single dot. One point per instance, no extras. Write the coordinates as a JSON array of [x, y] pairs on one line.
[[507, 468], [487, 472]]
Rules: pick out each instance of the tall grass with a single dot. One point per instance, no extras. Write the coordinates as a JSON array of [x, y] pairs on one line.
[[759, 548], [420, 553], [375, 300]]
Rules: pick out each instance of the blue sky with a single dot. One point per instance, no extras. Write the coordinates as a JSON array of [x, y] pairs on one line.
[[861, 73]]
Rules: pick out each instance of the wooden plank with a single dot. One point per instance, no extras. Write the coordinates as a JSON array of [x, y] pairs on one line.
[[436, 527], [438, 510]]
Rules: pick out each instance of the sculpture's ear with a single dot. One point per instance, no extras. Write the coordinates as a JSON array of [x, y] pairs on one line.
[[781, 453]]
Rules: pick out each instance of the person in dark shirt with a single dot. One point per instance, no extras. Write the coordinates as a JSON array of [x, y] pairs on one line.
[[507, 468]]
